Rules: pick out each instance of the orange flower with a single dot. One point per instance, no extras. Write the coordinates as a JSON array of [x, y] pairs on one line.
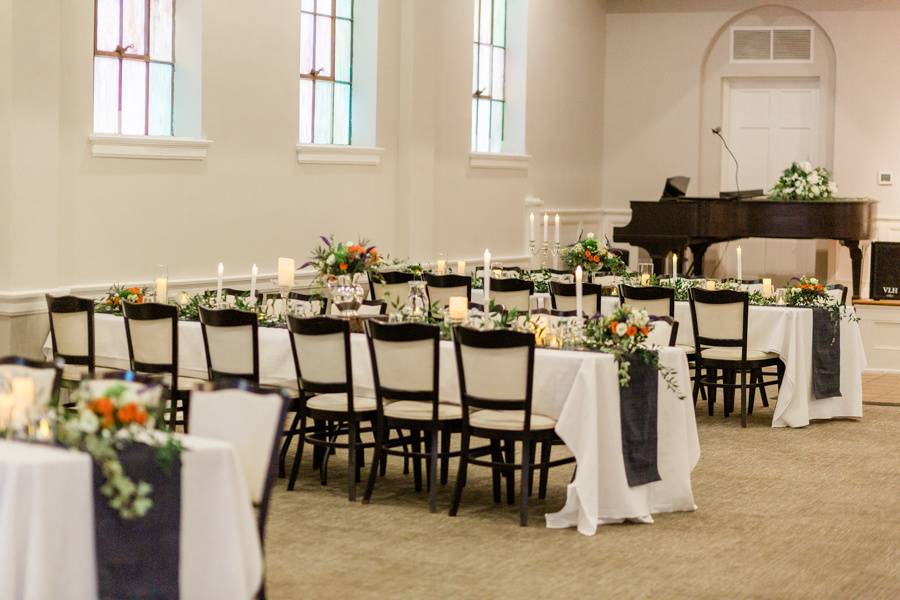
[[373, 253], [587, 254], [107, 421], [135, 291], [356, 249], [102, 406], [342, 266], [612, 326], [645, 330], [131, 413], [597, 258], [632, 330]]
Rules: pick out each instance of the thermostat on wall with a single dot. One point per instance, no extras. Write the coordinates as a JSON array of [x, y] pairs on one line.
[[885, 178]]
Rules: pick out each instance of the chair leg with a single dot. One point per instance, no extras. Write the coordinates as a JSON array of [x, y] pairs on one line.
[[754, 377], [533, 454], [546, 447], [352, 471], [318, 451], [510, 447], [460, 474], [762, 389], [426, 442], [376, 460], [416, 459], [497, 457], [432, 472], [446, 435], [405, 453], [295, 468], [326, 454], [526, 483], [743, 398], [286, 444], [382, 468]]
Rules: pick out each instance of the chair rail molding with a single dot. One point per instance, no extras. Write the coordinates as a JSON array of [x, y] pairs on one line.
[[148, 146], [499, 160]]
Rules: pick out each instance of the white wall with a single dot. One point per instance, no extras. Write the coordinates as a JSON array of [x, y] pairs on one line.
[[653, 124]]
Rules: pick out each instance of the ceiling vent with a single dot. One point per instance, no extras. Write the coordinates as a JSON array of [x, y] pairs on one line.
[[771, 44]]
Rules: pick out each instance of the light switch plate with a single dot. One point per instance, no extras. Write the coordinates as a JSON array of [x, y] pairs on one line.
[[885, 178]]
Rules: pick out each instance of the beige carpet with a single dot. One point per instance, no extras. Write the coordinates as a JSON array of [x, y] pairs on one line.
[[807, 513]]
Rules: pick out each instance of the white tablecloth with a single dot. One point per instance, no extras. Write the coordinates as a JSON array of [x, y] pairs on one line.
[[580, 389], [47, 524]]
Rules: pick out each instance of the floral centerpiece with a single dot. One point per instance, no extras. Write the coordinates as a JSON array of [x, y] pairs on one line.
[[802, 181], [809, 292], [339, 265], [592, 255], [623, 334], [116, 295], [105, 424]]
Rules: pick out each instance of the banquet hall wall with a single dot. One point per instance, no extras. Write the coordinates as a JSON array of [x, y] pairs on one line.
[[73, 221]]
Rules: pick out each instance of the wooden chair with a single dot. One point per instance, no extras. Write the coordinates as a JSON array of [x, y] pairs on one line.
[[406, 370], [231, 342], [390, 286], [837, 292], [496, 372], [663, 331], [249, 418], [562, 297], [321, 350], [720, 342], [47, 376], [72, 336], [441, 288], [366, 307], [151, 330], [657, 301], [316, 302], [512, 293]]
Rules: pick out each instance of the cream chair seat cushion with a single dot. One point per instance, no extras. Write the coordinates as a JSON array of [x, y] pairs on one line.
[[411, 409], [79, 372], [688, 348], [726, 353], [509, 420], [338, 403]]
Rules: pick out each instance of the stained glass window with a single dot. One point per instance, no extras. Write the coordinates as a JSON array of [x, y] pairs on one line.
[[134, 66], [326, 74], [488, 75]]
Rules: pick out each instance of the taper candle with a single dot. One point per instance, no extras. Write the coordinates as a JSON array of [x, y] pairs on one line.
[[579, 275], [486, 275], [254, 271], [220, 273]]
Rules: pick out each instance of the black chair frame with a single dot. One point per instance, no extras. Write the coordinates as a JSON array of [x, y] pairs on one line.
[[73, 304], [230, 317], [626, 292], [529, 438], [673, 336], [730, 368], [558, 288], [330, 424]]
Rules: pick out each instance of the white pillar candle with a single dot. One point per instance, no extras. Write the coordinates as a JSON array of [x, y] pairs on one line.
[[441, 266], [459, 306], [546, 227], [162, 289], [220, 272], [579, 274], [711, 284], [486, 274], [254, 271], [531, 227], [461, 267], [767, 288], [674, 266], [556, 227], [645, 279], [23, 392], [286, 272], [740, 266]]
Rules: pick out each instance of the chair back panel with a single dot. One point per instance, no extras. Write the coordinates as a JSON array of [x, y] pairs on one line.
[[720, 321], [151, 340], [661, 331], [231, 349], [321, 358], [496, 373], [407, 365], [519, 300], [589, 304], [442, 295], [71, 330], [392, 293], [657, 308], [248, 421]]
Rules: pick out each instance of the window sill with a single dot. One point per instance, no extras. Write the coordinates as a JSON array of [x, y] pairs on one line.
[[499, 160], [154, 147], [332, 154]]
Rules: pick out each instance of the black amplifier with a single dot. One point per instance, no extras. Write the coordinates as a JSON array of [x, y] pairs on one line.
[[885, 273]]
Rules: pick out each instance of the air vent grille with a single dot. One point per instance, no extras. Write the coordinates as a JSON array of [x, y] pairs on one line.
[[771, 44]]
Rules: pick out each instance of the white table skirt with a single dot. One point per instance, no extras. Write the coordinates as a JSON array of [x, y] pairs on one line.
[[47, 524], [569, 386]]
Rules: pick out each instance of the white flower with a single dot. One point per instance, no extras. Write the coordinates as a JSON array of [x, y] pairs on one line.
[[814, 190], [621, 328], [349, 243], [813, 178], [813, 280], [832, 187], [330, 260], [590, 235], [88, 421], [805, 166]]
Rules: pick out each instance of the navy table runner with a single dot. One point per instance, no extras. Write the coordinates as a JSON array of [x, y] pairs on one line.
[[826, 355], [638, 413]]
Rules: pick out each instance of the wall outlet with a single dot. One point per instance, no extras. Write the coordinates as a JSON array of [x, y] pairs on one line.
[[885, 178]]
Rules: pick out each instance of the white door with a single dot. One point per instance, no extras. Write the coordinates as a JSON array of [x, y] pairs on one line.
[[770, 123]]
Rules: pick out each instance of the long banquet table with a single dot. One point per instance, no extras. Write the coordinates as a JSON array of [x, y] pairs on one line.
[[788, 331], [579, 389], [47, 524]]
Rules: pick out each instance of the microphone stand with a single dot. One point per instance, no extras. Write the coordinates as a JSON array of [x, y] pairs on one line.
[[717, 131]]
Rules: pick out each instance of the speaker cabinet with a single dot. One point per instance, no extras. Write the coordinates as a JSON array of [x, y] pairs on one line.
[[884, 283]]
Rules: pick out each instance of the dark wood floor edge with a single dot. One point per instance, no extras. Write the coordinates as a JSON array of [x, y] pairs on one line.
[[874, 403]]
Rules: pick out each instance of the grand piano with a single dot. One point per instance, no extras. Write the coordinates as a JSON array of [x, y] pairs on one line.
[[673, 224]]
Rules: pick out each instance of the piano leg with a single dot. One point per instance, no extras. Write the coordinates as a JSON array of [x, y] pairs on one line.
[[698, 252], [856, 260]]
